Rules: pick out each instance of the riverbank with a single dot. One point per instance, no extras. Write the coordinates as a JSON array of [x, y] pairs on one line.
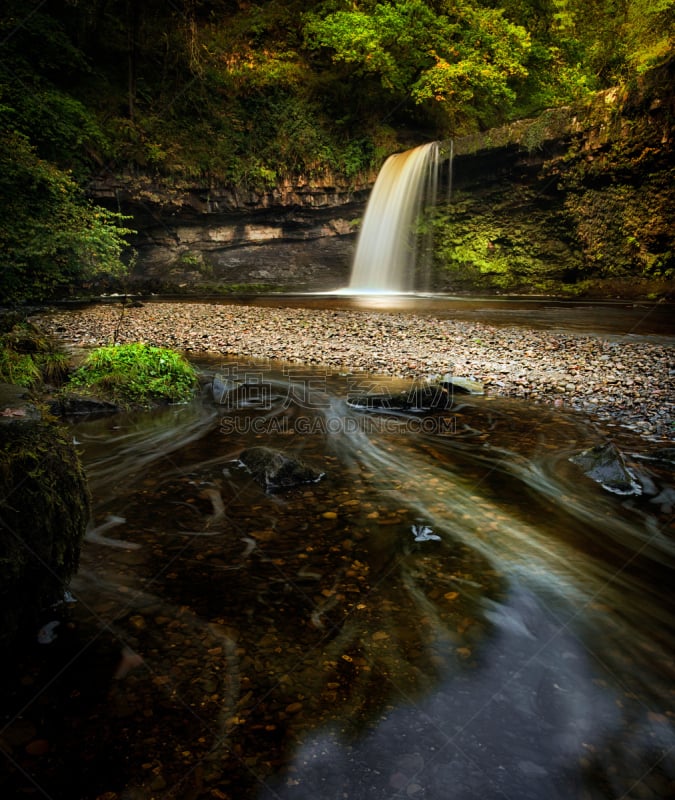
[[629, 383]]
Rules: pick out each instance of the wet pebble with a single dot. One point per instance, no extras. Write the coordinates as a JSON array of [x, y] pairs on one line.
[[630, 382]]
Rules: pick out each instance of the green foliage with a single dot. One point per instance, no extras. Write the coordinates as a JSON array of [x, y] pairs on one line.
[[650, 32], [136, 374], [254, 94], [387, 40], [583, 45], [30, 359], [61, 129], [18, 368], [50, 236], [38, 71], [462, 58], [191, 260]]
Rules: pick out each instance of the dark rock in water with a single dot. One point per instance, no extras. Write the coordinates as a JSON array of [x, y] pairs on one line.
[[605, 464], [421, 399], [72, 404], [275, 470]]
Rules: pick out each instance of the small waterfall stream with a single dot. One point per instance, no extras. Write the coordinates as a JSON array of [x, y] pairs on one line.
[[391, 256]]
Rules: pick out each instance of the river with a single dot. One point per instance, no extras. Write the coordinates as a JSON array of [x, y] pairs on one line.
[[453, 611]]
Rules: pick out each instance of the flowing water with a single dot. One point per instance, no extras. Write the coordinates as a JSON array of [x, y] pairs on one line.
[[452, 611], [389, 255]]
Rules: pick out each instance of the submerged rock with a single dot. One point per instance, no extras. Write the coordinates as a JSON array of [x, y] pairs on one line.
[[605, 464], [456, 383], [72, 405], [222, 389], [421, 399], [233, 394], [275, 470], [665, 499]]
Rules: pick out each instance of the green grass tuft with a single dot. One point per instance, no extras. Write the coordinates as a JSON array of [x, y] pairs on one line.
[[136, 374]]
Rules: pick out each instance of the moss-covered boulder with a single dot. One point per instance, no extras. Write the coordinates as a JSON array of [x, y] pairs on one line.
[[135, 375], [44, 509]]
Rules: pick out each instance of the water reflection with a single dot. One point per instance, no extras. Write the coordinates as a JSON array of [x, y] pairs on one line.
[[452, 612], [514, 726]]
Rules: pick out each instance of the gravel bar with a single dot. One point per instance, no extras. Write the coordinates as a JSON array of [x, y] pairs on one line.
[[627, 382]]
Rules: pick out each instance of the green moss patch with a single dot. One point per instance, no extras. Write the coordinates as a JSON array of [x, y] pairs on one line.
[[136, 375]]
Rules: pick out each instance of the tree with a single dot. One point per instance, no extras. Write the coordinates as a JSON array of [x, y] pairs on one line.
[[456, 55], [50, 236]]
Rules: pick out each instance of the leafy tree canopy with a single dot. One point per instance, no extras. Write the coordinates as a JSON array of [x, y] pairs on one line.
[[50, 236], [460, 56], [250, 91]]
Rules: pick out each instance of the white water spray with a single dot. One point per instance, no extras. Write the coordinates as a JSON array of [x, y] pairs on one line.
[[389, 248]]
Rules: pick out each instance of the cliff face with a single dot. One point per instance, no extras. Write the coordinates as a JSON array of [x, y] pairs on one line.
[[572, 199], [576, 200], [191, 238]]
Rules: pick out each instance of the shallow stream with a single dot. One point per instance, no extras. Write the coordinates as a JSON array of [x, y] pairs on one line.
[[453, 611]]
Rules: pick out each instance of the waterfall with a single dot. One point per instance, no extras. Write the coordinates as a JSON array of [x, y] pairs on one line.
[[390, 255]]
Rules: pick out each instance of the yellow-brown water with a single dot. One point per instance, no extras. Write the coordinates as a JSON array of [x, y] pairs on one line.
[[453, 611]]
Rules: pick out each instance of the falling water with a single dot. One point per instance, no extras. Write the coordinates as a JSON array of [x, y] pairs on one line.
[[451, 158], [389, 248]]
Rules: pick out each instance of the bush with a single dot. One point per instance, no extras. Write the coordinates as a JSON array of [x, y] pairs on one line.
[[51, 237], [28, 358], [136, 375]]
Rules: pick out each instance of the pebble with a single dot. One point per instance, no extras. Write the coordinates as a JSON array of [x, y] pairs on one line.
[[629, 382]]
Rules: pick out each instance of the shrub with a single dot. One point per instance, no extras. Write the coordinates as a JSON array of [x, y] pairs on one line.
[[18, 368], [29, 358], [136, 374]]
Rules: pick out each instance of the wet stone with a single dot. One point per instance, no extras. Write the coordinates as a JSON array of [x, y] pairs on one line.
[[605, 465], [274, 470]]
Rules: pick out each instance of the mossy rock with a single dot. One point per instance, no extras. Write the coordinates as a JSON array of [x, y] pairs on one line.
[[135, 375], [44, 509]]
